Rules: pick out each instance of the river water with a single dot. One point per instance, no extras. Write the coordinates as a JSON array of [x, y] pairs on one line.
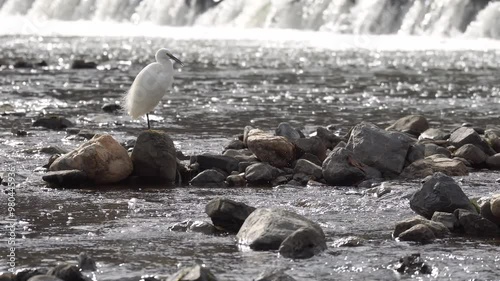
[[224, 86]]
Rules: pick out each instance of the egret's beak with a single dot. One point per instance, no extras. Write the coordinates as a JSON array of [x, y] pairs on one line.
[[175, 59]]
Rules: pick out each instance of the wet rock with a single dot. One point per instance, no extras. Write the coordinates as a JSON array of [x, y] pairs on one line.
[[242, 155], [53, 122], [235, 144], [349, 241], [303, 243], [379, 191], [415, 152], [313, 146], [261, 173], [432, 149], [311, 158], [281, 180], [276, 150], [417, 233], [475, 225], [86, 262], [274, 275], [447, 219], [308, 168], [66, 178], [210, 161], [439, 193], [44, 278], [342, 168], [495, 206], [67, 272], [28, 273], [102, 159], [413, 264], [286, 130], [228, 215], [242, 166], [53, 150], [438, 229], [209, 177], [464, 135], [22, 64], [82, 64], [236, 180], [493, 138], [411, 124], [193, 273], [329, 139], [485, 211], [472, 154], [265, 229], [493, 162], [111, 107], [154, 157], [7, 276], [433, 134], [194, 226], [382, 150], [433, 164]]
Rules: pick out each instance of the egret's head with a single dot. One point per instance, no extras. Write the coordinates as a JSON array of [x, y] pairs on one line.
[[164, 55]]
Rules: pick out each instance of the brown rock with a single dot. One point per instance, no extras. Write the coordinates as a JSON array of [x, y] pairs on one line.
[[276, 150]]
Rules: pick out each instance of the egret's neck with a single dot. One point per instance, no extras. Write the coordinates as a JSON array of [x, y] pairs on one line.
[[165, 62]]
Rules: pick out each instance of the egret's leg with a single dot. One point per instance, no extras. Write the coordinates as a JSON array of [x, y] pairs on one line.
[[147, 116]]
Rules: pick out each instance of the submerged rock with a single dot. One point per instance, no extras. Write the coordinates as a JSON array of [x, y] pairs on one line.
[[349, 241], [342, 168], [276, 150], [193, 273], [228, 215], [413, 264], [102, 159], [67, 272], [53, 122], [86, 262], [439, 193], [411, 124], [66, 178]]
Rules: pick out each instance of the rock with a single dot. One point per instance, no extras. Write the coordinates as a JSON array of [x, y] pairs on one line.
[[432, 149], [261, 173], [242, 166], [154, 157], [349, 241], [193, 273], [82, 64], [312, 145], [417, 233], [242, 155], [303, 243], [276, 150], [495, 206], [472, 154], [475, 225], [194, 226], [228, 215], [224, 163], [342, 168], [447, 219], [28, 273], [51, 150], [385, 151], [493, 138], [209, 178], [286, 130], [53, 122], [308, 168], [102, 159], [433, 164], [329, 139], [465, 135], [379, 191], [412, 265], [67, 272], [111, 107], [86, 262], [439, 193], [312, 158], [493, 162], [265, 229], [7, 276], [236, 180], [45, 278], [433, 134], [485, 211], [235, 144], [438, 229], [66, 178], [274, 275], [281, 180], [411, 124], [415, 152]]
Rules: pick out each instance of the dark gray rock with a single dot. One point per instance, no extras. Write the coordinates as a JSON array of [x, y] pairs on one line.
[[493, 162], [51, 150], [439, 193], [67, 272], [236, 180], [438, 229], [383, 150], [242, 166], [329, 139], [286, 130], [265, 229], [228, 215], [303, 243], [475, 225], [432, 149], [28, 273], [193, 273], [465, 135], [235, 144], [154, 157], [86, 262], [312, 158], [209, 178], [261, 173], [473, 154], [111, 107], [417, 233], [342, 168], [415, 152], [313, 145], [447, 219], [222, 162], [433, 134], [412, 265], [411, 124], [281, 180], [308, 168], [66, 178], [82, 64], [53, 122], [274, 275]]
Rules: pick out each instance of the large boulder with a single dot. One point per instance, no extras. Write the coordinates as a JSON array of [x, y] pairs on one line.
[[411, 124], [102, 159], [433, 164], [276, 150], [154, 157], [228, 215], [265, 229], [383, 150], [342, 168], [439, 193]]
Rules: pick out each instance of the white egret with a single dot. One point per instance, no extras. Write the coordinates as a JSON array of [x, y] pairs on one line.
[[150, 85]]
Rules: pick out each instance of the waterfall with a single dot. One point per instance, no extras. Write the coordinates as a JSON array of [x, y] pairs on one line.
[[406, 17]]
